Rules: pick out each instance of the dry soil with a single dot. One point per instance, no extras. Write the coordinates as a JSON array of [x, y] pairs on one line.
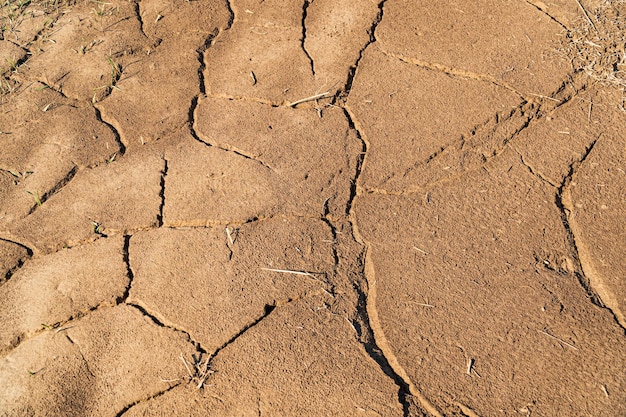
[[312, 208]]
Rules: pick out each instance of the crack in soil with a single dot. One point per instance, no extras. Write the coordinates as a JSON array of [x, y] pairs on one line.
[[162, 194], [342, 94], [211, 357], [57, 327], [159, 323], [534, 170], [565, 210], [81, 355], [63, 324], [539, 7], [223, 147], [363, 327], [202, 88], [143, 310], [259, 100], [129, 271], [268, 310], [20, 262], [482, 134], [453, 72], [151, 397], [56, 86], [208, 41], [498, 133], [360, 161], [137, 11], [305, 7], [116, 134], [374, 342], [55, 189], [27, 47], [380, 341], [192, 118], [591, 281], [203, 224], [231, 15], [369, 328], [333, 232]]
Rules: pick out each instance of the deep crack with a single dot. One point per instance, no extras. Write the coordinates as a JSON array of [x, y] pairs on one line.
[[162, 193], [201, 86], [138, 16], [129, 271], [305, 7], [363, 324], [231, 15], [558, 200], [593, 286], [343, 94], [192, 118], [360, 160], [366, 336], [267, 311], [565, 211], [200, 51]]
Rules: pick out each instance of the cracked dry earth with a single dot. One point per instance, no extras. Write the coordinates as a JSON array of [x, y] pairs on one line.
[[347, 208]]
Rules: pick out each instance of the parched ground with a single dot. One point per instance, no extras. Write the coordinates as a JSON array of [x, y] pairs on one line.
[[314, 208]]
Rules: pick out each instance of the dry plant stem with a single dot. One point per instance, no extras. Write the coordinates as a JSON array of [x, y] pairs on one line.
[[587, 16], [303, 100], [423, 252], [230, 238], [287, 271], [186, 366], [559, 340]]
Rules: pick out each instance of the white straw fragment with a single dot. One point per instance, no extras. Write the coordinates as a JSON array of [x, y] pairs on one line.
[[587, 16], [303, 100], [420, 250], [186, 366], [557, 339], [287, 271], [230, 238]]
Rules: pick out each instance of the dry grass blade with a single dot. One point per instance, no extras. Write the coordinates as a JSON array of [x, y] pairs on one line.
[[422, 251], [186, 366], [230, 237], [304, 100], [559, 340], [288, 271], [587, 15]]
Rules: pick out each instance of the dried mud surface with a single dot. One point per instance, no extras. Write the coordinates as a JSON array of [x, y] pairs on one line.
[[316, 208]]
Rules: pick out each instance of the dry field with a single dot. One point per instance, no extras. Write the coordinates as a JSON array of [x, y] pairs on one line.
[[312, 208]]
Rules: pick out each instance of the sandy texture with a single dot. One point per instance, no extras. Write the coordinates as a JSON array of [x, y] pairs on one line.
[[321, 208]]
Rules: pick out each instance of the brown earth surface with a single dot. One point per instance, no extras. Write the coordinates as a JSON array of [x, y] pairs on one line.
[[314, 208]]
